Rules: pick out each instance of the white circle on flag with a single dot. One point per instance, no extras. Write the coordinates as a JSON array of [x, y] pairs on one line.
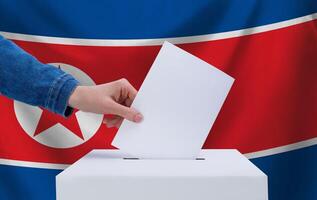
[[59, 136]]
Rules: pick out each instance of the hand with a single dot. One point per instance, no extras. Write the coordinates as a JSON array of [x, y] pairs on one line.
[[113, 98]]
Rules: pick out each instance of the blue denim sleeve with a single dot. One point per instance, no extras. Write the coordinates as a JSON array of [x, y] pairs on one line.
[[24, 78]]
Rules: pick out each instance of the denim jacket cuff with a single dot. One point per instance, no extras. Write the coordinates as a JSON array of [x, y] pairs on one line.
[[59, 94]]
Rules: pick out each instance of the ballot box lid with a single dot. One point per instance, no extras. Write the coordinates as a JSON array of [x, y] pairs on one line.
[[210, 163]]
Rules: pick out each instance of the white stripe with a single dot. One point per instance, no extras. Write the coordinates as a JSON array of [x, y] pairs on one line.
[[19, 163], [258, 154], [149, 42], [282, 149]]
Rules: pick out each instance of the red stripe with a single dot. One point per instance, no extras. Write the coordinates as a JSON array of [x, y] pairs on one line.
[[273, 101]]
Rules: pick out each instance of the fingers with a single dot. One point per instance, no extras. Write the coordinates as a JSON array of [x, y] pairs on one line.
[[128, 102], [130, 91], [115, 121], [126, 112], [122, 98]]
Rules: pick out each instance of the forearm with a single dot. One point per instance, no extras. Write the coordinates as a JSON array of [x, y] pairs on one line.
[[24, 78]]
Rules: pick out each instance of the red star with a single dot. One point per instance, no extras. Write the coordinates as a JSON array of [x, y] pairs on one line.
[[49, 119]]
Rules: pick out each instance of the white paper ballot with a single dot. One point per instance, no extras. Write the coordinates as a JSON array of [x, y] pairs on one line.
[[180, 99]]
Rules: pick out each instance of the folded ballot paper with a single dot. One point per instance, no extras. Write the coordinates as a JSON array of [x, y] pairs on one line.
[[180, 99]]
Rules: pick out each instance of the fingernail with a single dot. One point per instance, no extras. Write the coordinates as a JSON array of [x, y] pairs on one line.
[[138, 118]]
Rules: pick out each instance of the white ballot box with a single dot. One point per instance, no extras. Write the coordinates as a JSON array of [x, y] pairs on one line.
[[214, 175]]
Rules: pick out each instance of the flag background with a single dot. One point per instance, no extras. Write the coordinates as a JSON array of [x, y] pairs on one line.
[[269, 47]]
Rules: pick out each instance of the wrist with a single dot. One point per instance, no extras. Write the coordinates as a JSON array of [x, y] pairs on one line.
[[76, 96]]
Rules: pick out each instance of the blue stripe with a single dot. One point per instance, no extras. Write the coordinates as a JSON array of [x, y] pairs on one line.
[[144, 19], [292, 176], [27, 183]]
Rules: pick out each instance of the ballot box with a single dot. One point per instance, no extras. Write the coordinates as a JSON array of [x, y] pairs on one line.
[[214, 175]]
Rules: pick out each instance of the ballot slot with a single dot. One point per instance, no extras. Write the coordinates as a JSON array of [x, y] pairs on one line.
[[160, 159]]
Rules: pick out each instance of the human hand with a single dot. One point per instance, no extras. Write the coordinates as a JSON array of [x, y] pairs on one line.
[[113, 98]]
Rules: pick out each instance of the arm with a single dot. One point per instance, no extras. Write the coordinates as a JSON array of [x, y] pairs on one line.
[[24, 78]]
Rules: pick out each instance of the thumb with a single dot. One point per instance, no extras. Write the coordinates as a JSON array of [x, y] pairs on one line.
[[127, 112]]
